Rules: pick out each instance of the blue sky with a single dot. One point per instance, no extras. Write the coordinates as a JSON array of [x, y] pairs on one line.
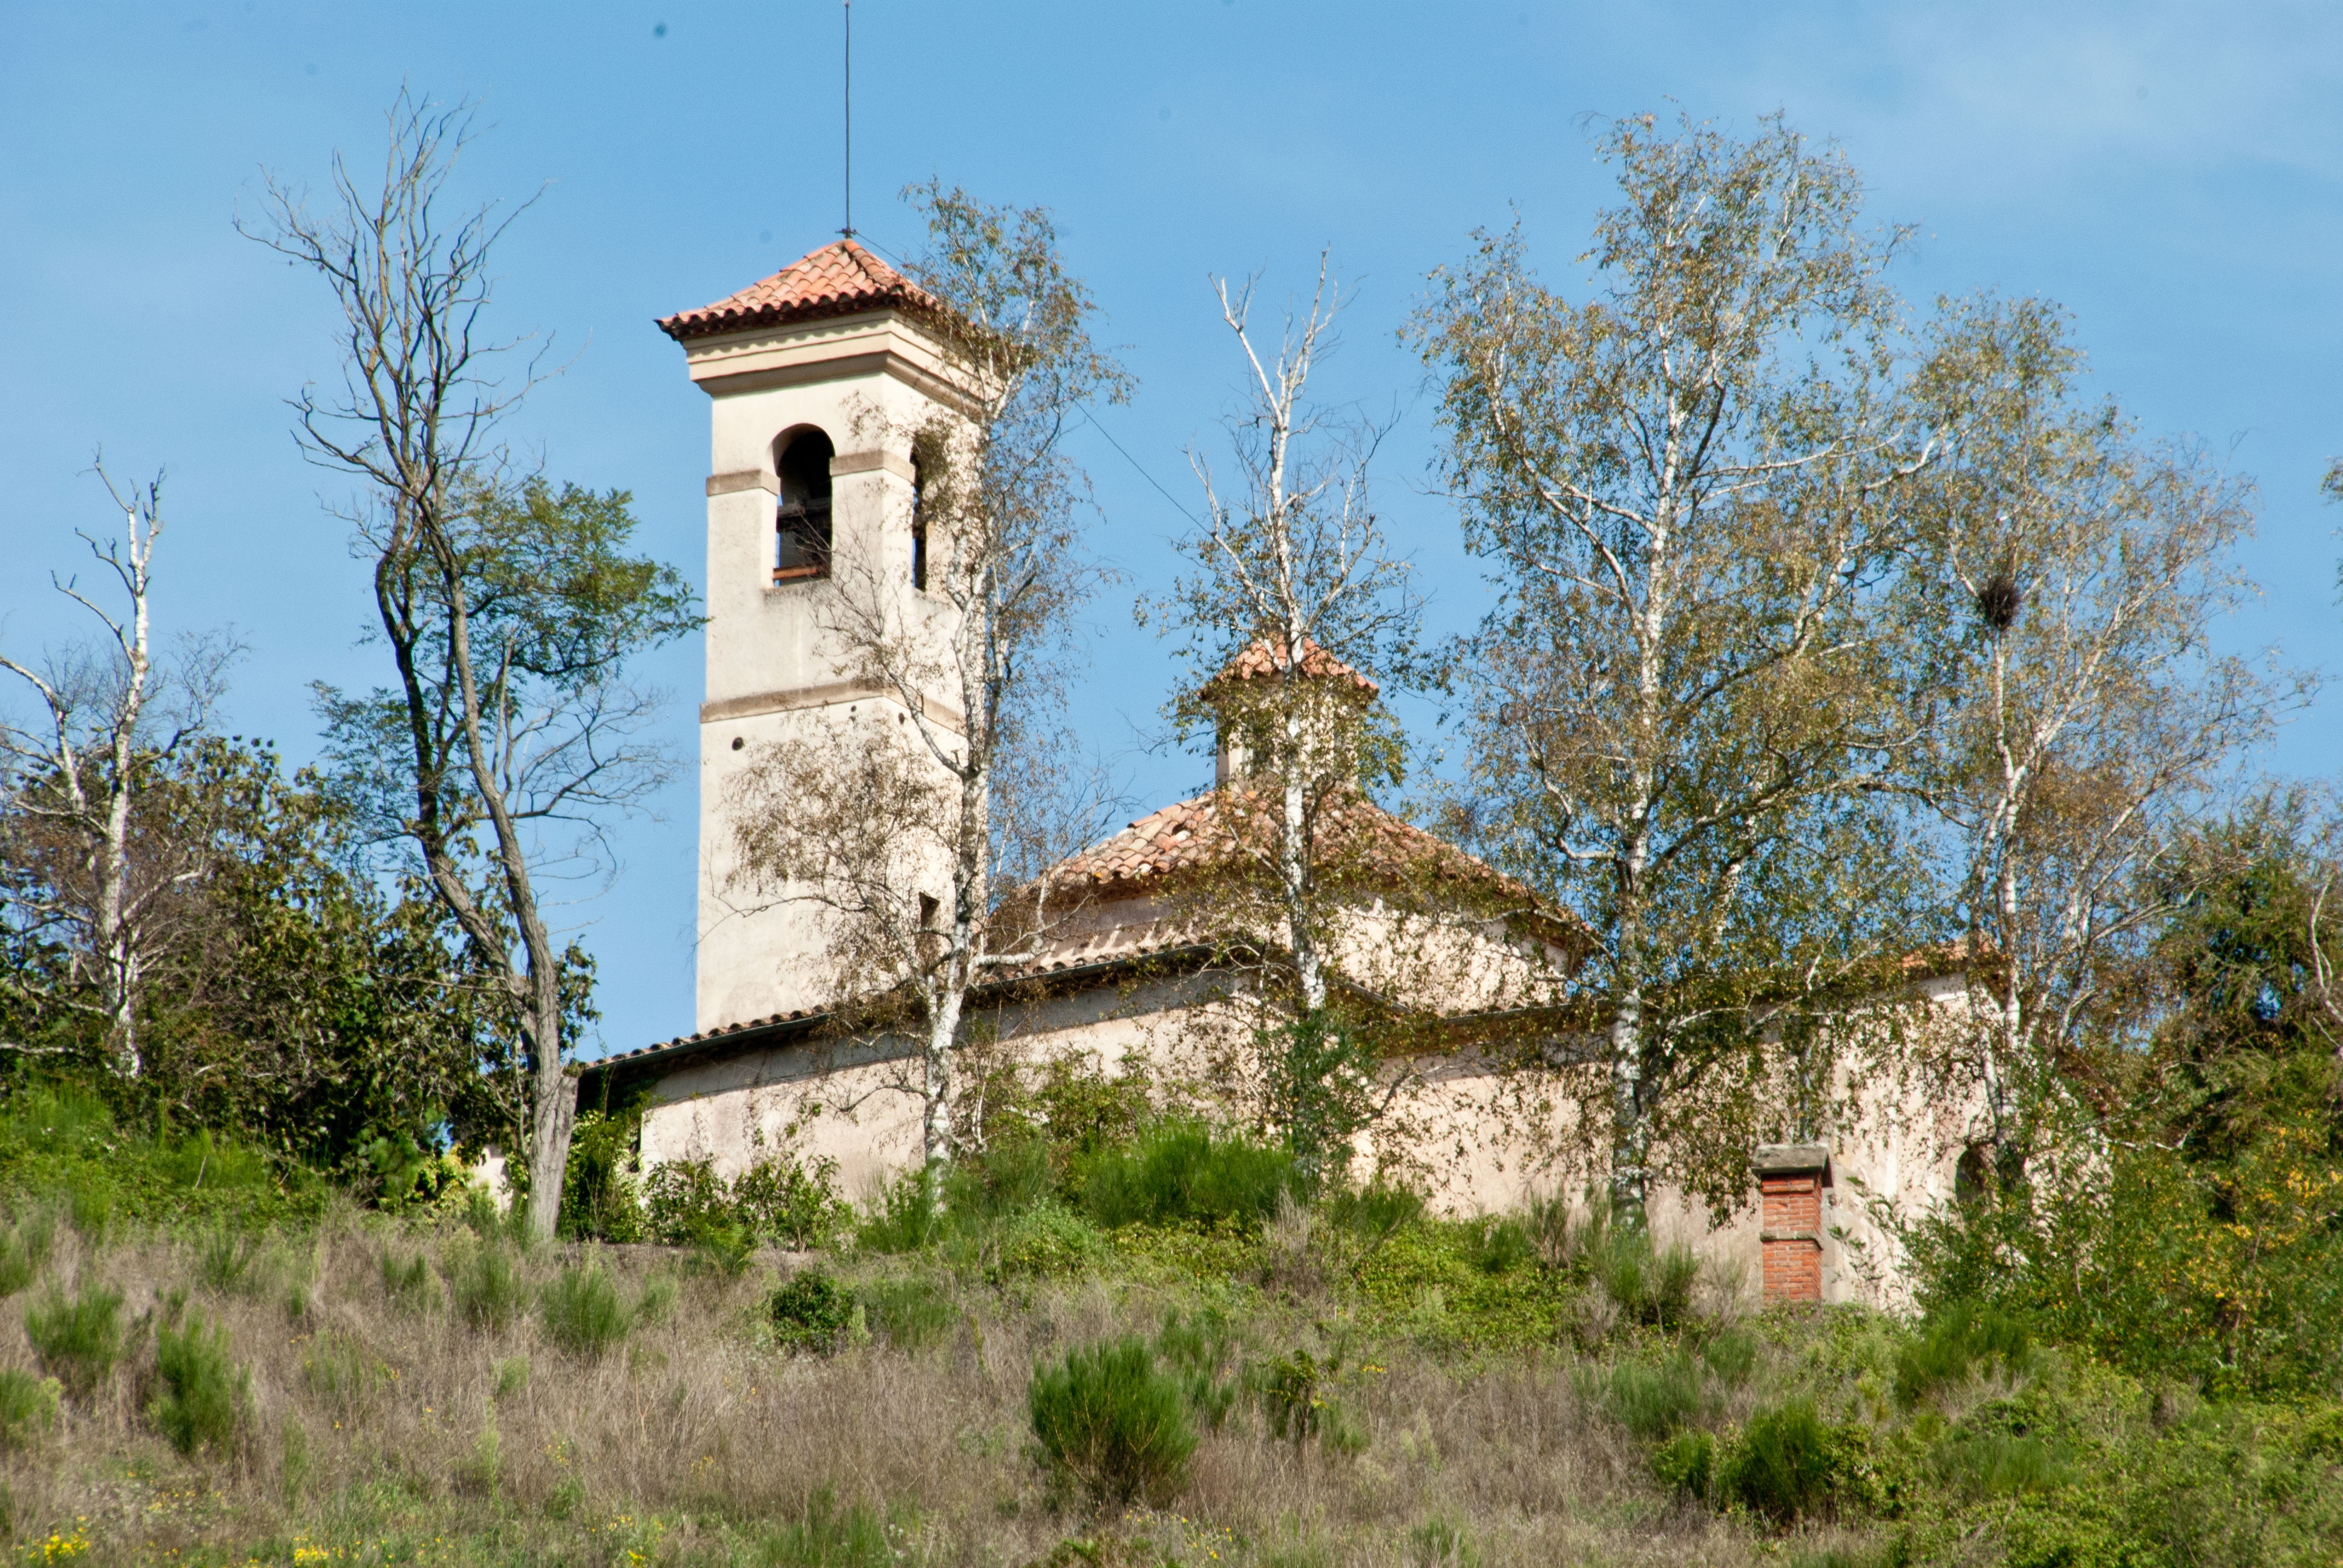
[[2173, 174]]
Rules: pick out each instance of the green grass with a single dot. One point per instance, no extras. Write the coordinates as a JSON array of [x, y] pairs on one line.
[[205, 1394]]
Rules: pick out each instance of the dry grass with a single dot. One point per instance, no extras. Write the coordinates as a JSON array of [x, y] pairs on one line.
[[384, 1426]]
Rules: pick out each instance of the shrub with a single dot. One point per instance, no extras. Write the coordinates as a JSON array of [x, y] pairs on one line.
[[1786, 1464], [599, 1195], [1997, 1464], [910, 1313], [1040, 1242], [1956, 1339], [779, 1198], [408, 1280], [1008, 1177], [210, 1162], [907, 1217], [24, 1248], [27, 1404], [1653, 1402], [204, 1392], [1180, 1170], [1437, 1543], [1502, 1246], [1731, 1355], [1105, 1417], [1652, 1285], [1200, 1347], [342, 1372], [1686, 1462], [581, 1311], [829, 1536], [488, 1289], [225, 1261], [812, 1311], [1296, 1395], [78, 1340]]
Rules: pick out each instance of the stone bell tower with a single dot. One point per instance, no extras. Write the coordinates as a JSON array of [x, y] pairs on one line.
[[818, 376]]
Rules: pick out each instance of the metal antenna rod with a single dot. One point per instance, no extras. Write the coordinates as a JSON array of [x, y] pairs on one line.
[[848, 230]]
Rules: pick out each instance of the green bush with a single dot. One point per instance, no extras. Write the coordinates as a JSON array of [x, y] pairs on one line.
[[829, 1536], [27, 1404], [908, 1216], [408, 1280], [1106, 1418], [812, 1312], [1998, 1464], [1201, 1349], [1502, 1246], [1180, 1171], [1786, 1467], [1038, 1243], [1437, 1543], [1296, 1394], [226, 1261], [600, 1197], [581, 1312], [1956, 1339], [1654, 1402], [1686, 1462], [205, 1393], [779, 1199], [1732, 1355], [77, 1339], [489, 1288], [1652, 1285], [1008, 1177], [24, 1248], [910, 1313]]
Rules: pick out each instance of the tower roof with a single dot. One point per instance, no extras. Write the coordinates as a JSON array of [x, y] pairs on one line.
[[1260, 660], [838, 279]]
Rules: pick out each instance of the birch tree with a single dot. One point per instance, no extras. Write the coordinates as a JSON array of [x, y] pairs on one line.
[[1685, 483], [903, 840], [100, 876], [1295, 603], [2074, 573], [509, 609]]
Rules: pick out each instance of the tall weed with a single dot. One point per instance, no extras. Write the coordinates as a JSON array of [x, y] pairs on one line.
[[488, 1289], [27, 1404], [24, 1249], [581, 1312], [78, 1339]]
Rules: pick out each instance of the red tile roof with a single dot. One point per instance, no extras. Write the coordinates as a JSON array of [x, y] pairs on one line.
[[836, 280], [1215, 830], [1261, 660]]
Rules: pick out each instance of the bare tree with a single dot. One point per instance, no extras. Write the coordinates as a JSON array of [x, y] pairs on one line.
[[901, 839], [510, 610], [2074, 571], [1296, 605], [90, 869], [1682, 484]]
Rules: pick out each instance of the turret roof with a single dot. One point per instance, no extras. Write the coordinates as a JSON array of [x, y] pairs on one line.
[[1261, 658], [838, 279]]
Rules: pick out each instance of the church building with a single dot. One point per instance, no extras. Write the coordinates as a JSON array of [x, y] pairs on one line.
[[815, 377]]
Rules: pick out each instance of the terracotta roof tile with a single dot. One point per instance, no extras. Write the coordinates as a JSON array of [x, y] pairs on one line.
[[1208, 831], [1260, 659], [836, 280]]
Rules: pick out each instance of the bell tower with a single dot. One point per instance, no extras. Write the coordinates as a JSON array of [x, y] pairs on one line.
[[817, 376]]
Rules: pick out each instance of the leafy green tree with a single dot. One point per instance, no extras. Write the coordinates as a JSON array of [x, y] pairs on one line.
[[510, 610], [1688, 699], [2068, 573]]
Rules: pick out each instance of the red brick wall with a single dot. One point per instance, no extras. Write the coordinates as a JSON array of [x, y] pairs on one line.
[[1792, 1225]]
